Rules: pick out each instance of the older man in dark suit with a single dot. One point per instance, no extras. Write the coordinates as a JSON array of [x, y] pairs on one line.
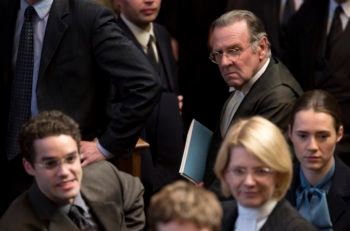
[[261, 84]]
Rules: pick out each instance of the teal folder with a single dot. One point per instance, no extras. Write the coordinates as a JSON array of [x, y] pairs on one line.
[[195, 152]]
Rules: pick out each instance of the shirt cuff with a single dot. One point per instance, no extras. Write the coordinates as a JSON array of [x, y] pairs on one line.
[[104, 151]]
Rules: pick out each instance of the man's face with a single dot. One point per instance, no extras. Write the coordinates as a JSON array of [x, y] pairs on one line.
[[56, 168], [140, 12], [239, 63]]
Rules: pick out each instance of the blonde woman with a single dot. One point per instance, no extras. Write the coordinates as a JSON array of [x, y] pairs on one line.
[[254, 165]]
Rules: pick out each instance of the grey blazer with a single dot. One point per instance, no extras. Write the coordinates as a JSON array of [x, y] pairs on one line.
[[114, 197]]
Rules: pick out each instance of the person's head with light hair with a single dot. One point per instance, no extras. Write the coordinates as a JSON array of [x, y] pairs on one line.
[[254, 155], [181, 206]]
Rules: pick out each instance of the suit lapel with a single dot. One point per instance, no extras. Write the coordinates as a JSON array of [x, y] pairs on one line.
[[108, 215], [230, 215], [162, 50], [129, 33], [57, 24], [164, 56], [339, 56], [61, 222], [263, 85], [339, 188]]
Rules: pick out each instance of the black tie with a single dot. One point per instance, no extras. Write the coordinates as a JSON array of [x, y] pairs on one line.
[[150, 53], [21, 85], [83, 223], [289, 10], [335, 31]]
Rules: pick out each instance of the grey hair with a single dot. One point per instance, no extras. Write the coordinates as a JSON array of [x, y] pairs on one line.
[[255, 26]]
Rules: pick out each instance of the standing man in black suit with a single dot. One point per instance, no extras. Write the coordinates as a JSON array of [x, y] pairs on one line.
[[83, 66], [164, 131], [260, 83], [308, 59]]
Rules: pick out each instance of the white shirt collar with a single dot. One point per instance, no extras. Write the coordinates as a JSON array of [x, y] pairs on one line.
[[246, 87], [42, 8], [259, 214], [344, 17], [141, 35]]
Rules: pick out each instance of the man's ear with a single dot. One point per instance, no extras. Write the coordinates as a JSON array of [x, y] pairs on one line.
[[263, 48], [28, 167]]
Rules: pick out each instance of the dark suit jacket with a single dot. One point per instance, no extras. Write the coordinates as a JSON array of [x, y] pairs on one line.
[[269, 13], [114, 197], [164, 130], [283, 217], [305, 57], [272, 96], [338, 197], [84, 54]]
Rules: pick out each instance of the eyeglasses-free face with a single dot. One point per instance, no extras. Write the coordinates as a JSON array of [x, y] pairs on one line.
[[314, 139], [251, 182]]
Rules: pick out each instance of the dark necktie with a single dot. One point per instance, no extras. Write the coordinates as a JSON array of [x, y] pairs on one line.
[[83, 223], [21, 84], [289, 10], [150, 53], [335, 31]]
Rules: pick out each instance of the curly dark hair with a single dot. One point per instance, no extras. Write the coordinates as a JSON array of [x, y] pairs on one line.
[[46, 123]]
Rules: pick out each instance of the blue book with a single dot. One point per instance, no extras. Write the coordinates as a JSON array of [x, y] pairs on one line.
[[195, 153]]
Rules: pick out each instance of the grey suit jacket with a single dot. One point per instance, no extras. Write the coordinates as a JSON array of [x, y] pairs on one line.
[[89, 70], [114, 197], [272, 96], [283, 217]]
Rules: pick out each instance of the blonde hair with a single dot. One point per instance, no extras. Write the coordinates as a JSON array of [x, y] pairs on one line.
[[182, 201], [265, 141]]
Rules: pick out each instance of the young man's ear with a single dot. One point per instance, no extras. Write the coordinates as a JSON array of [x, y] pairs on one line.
[[28, 167]]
